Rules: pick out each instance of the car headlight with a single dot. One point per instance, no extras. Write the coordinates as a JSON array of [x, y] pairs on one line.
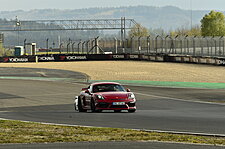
[[100, 97], [131, 96]]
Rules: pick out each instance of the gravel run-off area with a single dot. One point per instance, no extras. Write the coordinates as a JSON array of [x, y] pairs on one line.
[[136, 70]]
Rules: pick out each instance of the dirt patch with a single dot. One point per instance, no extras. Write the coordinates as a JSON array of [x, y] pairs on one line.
[[136, 70]]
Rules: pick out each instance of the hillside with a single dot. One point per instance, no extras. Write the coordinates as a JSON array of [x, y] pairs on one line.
[[166, 18]]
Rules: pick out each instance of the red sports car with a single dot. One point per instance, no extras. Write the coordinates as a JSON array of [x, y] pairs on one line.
[[105, 96]]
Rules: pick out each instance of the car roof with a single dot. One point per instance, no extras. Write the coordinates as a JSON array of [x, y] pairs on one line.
[[101, 83]]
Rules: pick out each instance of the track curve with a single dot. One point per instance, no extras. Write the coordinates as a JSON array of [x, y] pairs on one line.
[[52, 102]]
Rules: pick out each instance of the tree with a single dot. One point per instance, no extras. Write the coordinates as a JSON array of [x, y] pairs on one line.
[[194, 31], [138, 31], [158, 31], [213, 24]]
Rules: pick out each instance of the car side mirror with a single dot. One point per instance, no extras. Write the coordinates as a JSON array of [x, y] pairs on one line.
[[84, 89], [128, 90], [87, 91]]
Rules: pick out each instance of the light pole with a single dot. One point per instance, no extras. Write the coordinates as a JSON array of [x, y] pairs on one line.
[[18, 30]]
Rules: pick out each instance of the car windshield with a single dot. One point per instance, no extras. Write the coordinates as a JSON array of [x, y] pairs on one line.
[[108, 88]]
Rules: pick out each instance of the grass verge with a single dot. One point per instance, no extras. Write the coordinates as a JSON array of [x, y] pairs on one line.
[[169, 83], [23, 132]]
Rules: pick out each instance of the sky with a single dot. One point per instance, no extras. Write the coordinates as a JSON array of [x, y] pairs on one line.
[[9, 5]]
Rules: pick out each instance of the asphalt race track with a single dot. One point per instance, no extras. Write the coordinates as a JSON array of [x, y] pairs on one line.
[[111, 145], [166, 109]]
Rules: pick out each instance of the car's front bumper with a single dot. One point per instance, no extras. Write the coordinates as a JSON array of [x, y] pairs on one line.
[[110, 106]]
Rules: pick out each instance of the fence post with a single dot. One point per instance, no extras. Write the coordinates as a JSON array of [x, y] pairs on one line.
[[97, 45], [166, 45], [87, 46], [47, 45], [181, 45], [207, 40], [223, 45], [126, 48], [131, 43], [175, 43], [83, 47], [24, 45], [79, 47], [92, 44], [215, 46], [73, 47], [194, 50], [156, 44], [187, 45], [148, 44], [220, 39], [202, 48], [67, 47], [116, 46], [203, 38], [60, 48], [139, 44], [156, 41], [123, 45], [211, 50]]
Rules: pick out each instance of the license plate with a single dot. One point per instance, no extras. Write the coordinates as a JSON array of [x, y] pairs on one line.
[[118, 103]]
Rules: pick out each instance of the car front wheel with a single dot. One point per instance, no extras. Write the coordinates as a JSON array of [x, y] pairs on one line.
[[93, 107], [132, 110]]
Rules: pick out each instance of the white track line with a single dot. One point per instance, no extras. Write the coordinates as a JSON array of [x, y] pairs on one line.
[[178, 99]]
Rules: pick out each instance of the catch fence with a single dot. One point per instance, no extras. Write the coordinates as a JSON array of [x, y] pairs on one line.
[[182, 45], [194, 46]]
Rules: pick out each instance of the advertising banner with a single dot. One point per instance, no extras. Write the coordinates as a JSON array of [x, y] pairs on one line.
[[18, 59], [72, 57]]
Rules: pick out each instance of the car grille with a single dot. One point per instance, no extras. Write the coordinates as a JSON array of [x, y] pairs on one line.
[[120, 106], [131, 104], [103, 105]]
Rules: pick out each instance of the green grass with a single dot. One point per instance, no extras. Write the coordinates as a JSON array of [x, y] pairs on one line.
[[23, 132], [169, 84]]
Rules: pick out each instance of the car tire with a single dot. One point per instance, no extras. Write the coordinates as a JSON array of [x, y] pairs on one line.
[[75, 107], [76, 104], [117, 111], [93, 108], [132, 110], [80, 108]]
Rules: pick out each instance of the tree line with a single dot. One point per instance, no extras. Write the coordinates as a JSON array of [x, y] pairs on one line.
[[212, 24]]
